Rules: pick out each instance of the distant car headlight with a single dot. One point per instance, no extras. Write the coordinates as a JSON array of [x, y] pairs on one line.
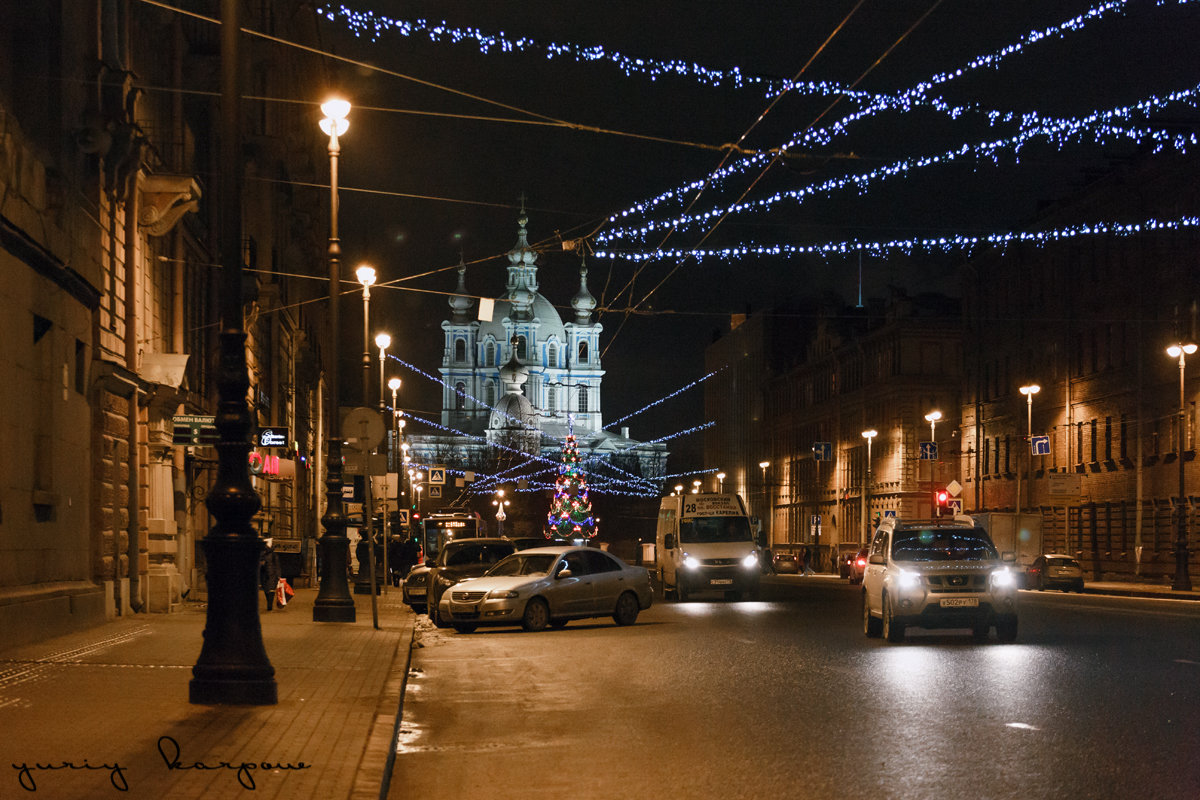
[[502, 594], [1004, 578], [691, 562], [908, 580], [750, 561]]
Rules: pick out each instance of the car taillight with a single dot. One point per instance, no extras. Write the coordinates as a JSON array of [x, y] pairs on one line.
[[862, 562]]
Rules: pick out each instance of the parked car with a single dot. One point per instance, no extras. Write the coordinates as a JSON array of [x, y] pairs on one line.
[[858, 565], [935, 574], [1054, 571], [458, 560], [549, 586], [415, 587], [787, 563], [845, 562]]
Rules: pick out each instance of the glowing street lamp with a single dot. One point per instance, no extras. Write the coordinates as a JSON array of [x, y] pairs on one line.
[[932, 417], [1183, 581], [869, 435], [334, 603], [721, 482], [500, 502], [696, 487], [1029, 390]]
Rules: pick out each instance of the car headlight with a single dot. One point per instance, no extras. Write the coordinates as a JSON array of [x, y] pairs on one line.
[[908, 580], [1004, 578], [691, 562], [502, 594], [750, 561]]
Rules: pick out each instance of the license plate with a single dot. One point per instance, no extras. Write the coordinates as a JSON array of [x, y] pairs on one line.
[[960, 602], [721, 581]]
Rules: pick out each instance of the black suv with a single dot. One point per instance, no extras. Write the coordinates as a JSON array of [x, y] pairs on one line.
[[458, 560]]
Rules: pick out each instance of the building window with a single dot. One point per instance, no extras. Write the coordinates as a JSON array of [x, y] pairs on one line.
[[552, 355], [1124, 435], [489, 355], [583, 399], [489, 393], [552, 399], [521, 348], [1108, 438], [460, 396], [583, 353], [460, 350], [1094, 442]]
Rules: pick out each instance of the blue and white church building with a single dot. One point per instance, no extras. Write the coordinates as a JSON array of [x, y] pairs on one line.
[[520, 377]]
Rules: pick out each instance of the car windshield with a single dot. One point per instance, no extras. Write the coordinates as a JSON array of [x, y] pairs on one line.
[[942, 544], [714, 529], [1062, 562], [522, 564]]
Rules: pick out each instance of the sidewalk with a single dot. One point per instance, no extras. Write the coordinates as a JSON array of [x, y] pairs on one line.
[[99, 709]]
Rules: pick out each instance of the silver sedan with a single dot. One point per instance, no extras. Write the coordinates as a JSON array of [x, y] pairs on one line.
[[549, 586]]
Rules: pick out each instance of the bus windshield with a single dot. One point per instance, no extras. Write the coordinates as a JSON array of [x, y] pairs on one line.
[[714, 529]]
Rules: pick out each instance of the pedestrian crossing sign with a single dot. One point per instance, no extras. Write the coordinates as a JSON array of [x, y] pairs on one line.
[[437, 477]]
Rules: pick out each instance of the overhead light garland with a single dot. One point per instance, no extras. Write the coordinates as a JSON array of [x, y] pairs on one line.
[[909, 246], [1058, 132]]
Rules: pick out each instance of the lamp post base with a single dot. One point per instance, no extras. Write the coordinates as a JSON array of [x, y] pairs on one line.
[[334, 603]]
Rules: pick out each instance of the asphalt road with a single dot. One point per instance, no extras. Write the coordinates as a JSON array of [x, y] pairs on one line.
[[786, 698]]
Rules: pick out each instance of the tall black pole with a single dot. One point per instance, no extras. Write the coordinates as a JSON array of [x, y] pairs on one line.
[[1183, 580], [233, 667], [334, 603]]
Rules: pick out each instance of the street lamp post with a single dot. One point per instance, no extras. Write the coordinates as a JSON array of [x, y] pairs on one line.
[[869, 435], [1029, 390], [382, 341], [932, 417], [334, 603], [721, 483], [366, 276], [762, 465], [1183, 581], [394, 385], [500, 502], [696, 487], [232, 666]]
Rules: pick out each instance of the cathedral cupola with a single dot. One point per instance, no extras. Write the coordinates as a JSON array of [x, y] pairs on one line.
[[461, 302], [583, 302]]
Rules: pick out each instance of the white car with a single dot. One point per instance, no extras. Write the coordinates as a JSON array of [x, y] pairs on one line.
[[943, 573], [416, 587], [549, 586]]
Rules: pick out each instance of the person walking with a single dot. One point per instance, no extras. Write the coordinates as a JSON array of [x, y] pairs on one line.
[[268, 571]]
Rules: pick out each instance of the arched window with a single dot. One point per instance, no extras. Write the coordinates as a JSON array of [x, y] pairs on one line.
[[460, 350], [552, 355], [552, 399], [489, 393], [583, 353], [583, 400], [460, 396], [489, 354], [521, 348]]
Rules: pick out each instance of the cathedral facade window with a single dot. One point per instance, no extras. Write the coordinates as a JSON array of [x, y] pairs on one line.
[[583, 353], [460, 350]]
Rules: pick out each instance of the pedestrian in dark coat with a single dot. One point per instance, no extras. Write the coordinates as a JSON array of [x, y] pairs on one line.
[[268, 572]]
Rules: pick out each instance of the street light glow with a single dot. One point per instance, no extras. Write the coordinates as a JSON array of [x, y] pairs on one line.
[[366, 275], [932, 416], [1030, 390], [870, 434], [335, 110], [394, 384], [383, 341], [1175, 350]]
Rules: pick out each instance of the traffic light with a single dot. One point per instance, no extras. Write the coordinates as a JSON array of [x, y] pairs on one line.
[[941, 500]]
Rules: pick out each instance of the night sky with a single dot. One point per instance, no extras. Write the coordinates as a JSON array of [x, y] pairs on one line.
[[464, 175]]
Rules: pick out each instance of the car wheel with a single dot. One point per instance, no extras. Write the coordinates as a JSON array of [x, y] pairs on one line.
[[558, 624], [1041, 584], [464, 627], [435, 614], [1006, 629], [419, 609], [871, 626], [892, 630], [627, 609], [1079, 587], [537, 615]]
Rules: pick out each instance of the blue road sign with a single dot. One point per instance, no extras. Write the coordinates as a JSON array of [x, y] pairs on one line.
[[1039, 445], [928, 451], [823, 451]]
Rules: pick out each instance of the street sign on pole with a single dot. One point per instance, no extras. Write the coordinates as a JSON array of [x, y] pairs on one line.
[[437, 477], [823, 451], [929, 451], [1039, 445]]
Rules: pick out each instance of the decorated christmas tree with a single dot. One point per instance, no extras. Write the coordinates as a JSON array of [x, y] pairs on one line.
[[570, 514]]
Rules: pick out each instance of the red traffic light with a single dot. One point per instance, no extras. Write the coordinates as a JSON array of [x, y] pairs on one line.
[[943, 497]]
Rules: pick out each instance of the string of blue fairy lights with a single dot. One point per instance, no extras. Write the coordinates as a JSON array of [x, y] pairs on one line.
[[909, 246], [904, 102], [1058, 132]]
